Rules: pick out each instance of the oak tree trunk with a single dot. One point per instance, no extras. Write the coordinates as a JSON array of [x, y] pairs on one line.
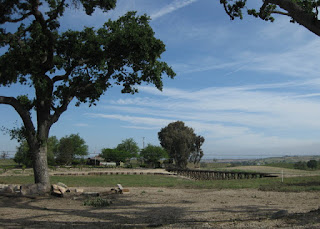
[[40, 165]]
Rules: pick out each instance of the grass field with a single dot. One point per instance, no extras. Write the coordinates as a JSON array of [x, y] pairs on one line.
[[275, 170], [295, 184]]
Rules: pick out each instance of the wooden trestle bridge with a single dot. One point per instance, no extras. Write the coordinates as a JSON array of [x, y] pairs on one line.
[[218, 175]]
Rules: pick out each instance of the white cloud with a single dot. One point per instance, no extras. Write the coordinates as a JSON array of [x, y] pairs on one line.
[[175, 5], [250, 117], [143, 122], [300, 61], [81, 124]]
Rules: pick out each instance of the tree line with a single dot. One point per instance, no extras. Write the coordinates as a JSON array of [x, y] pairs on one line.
[[179, 145], [305, 165], [68, 150]]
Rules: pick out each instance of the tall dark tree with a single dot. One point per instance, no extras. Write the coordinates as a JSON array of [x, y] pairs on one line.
[[180, 142], [312, 164], [70, 147], [65, 65], [197, 154], [304, 12]]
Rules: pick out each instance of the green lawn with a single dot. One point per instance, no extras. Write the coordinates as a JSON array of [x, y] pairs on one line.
[[295, 184]]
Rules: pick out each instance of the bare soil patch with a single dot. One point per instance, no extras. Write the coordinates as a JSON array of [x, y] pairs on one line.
[[165, 208]]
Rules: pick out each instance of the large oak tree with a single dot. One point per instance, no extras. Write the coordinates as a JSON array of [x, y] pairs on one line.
[[65, 65], [181, 143], [304, 12]]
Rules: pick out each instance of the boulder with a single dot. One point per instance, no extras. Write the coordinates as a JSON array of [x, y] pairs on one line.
[[33, 189], [62, 185], [78, 190], [58, 190], [9, 189]]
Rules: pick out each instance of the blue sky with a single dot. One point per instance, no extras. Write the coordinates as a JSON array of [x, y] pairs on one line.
[[250, 87]]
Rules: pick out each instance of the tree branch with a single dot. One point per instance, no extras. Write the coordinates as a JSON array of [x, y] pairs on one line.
[[55, 117], [48, 63], [280, 12], [68, 72], [19, 19], [56, 12], [298, 14], [23, 113], [226, 9]]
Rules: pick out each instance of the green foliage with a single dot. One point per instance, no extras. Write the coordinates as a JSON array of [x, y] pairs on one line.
[[70, 147], [305, 12], [115, 155], [62, 65], [23, 155], [152, 154], [312, 164], [97, 202], [197, 153], [301, 165], [181, 142], [52, 149], [129, 146]]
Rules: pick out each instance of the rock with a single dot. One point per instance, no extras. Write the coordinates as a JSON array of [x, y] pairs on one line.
[[57, 193], [33, 189], [62, 189], [79, 190], [9, 189], [62, 185], [279, 214], [57, 190]]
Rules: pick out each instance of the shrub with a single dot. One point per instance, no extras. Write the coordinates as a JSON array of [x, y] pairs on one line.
[[97, 202]]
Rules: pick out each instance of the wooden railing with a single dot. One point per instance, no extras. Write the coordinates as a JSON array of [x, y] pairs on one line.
[[218, 175]]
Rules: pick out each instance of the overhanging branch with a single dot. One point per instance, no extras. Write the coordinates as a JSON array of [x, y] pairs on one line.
[[54, 118], [23, 113], [298, 14]]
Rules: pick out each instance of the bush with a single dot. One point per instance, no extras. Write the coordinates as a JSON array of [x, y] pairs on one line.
[[312, 164], [97, 202], [301, 165]]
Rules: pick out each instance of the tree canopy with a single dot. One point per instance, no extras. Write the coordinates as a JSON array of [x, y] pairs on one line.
[[304, 12], [65, 65], [181, 142], [69, 148], [151, 154], [115, 155], [130, 146], [312, 164], [24, 156]]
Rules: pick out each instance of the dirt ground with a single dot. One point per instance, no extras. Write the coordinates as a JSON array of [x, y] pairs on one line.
[[165, 208]]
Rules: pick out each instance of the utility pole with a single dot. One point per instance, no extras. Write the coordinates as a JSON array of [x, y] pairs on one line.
[[142, 142]]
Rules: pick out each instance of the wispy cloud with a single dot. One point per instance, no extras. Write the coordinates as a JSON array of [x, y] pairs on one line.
[[299, 61], [231, 118], [175, 5], [81, 124]]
